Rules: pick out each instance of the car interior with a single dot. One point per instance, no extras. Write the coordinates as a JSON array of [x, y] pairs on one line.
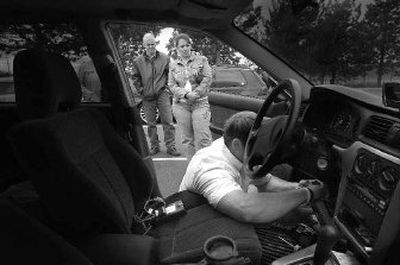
[[76, 177]]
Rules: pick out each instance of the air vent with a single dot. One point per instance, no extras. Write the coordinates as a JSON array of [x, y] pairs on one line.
[[377, 128], [394, 136], [397, 144]]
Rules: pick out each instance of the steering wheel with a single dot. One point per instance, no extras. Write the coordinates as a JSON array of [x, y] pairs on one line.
[[269, 138]]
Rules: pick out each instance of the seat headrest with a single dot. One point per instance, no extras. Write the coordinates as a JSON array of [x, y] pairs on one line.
[[44, 83]]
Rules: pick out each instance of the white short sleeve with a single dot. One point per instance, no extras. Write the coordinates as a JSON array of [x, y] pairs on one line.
[[215, 184]]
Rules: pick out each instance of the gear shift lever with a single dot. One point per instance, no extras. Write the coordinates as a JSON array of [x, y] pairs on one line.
[[327, 236]]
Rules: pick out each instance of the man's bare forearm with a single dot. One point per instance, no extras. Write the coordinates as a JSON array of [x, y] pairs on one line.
[[261, 207], [276, 184]]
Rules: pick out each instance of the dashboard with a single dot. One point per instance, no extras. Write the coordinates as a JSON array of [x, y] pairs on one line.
[[337, 119], [360, 142]]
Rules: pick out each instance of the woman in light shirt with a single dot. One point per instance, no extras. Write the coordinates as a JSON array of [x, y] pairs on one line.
[[189, 79]]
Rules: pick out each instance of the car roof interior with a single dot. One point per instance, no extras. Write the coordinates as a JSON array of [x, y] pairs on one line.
[[190, 12]]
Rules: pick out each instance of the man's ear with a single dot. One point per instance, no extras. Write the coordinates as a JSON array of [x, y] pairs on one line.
[[237, 146]]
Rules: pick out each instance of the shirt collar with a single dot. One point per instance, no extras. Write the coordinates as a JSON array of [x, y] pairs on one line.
[[148, 57], [191, 58]]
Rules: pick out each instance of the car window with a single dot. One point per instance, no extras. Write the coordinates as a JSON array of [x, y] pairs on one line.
[[351, 43], [6, 68], [233, 72], [252, 78], [228, 78], [255, 85], [234, 76], [63, 38]]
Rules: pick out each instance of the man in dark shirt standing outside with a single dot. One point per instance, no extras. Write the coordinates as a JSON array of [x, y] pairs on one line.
[[150, 76]]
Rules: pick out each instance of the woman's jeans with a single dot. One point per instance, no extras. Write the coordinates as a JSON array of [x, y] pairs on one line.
[[193, 117]]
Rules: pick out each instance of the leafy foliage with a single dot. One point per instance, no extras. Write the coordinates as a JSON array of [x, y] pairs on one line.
[[333, 39], [128, 38], [216, 52], [57, 38], [382, 22]]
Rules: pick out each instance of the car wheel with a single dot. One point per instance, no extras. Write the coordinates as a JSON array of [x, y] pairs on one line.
[[143, 115]]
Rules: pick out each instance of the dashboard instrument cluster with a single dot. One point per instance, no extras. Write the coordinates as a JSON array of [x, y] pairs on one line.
[[338, 122], [342, 128]]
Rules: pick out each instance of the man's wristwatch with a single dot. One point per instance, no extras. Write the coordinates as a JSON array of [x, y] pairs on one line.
[[310, 194]]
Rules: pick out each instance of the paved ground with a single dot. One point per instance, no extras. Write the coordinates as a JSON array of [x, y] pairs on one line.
[[170, 170]]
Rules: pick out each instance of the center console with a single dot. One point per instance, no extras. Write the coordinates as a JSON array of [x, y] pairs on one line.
[[368, 213]]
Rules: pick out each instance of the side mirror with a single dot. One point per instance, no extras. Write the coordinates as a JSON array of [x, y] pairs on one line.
[[391, 94]]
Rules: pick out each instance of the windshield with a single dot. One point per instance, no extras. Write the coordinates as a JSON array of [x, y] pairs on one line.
[[355, 43], [228, 77]]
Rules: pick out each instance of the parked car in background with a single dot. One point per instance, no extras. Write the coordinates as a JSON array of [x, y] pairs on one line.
[[238, 80], [7, 89]]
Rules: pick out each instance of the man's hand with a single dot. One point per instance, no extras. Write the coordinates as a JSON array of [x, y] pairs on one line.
[[315, 186], [192, 96], [139, 90]]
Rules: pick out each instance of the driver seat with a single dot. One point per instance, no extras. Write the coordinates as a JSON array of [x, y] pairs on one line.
[[93, 182]]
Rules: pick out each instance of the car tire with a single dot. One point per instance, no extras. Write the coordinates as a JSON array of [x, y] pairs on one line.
[[143, 115]]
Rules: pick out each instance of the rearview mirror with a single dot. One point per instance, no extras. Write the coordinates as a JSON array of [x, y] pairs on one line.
[[299, 5], [391, 94]]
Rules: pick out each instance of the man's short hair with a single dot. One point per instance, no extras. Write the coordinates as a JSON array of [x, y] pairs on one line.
[[148, 35], [238, 126]]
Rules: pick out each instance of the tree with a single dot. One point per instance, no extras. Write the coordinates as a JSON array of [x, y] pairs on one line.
[[129, 38], [335, 40], [253, 23], [215, 51], [57, 38], [382, 20], [325, 39]]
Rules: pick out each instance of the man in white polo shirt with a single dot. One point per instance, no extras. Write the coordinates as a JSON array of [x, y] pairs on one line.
[[217, 173]]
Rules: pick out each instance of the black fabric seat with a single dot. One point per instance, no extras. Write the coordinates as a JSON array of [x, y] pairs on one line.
[[24, 240], [33, 101], [93, 183], [43, 83], [38, 94]]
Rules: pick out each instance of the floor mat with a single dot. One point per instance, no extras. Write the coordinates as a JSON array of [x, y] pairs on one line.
[[279, 240]]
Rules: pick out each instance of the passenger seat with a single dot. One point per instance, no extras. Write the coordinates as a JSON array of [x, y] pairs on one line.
[[24, 241]]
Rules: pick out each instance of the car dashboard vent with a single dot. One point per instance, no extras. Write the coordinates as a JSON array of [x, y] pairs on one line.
[[394, 136], [397, 144], [378, 128]]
